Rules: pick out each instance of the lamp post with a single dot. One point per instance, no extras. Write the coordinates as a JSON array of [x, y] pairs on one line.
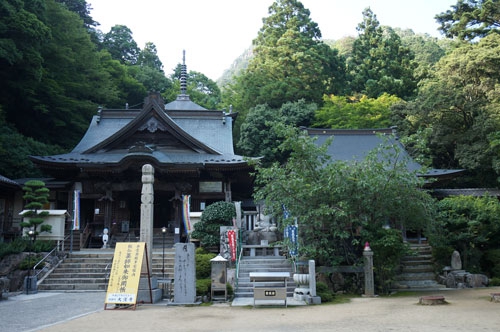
[[164, 232], [31, 234]]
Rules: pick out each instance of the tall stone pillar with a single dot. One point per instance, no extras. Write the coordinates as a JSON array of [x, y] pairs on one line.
[[147, 200], [368, 268]]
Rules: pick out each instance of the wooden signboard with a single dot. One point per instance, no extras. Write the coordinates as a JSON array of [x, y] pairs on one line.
[[125, 274]]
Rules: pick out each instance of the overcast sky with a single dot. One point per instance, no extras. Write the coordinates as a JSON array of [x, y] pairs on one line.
[[215, 32]]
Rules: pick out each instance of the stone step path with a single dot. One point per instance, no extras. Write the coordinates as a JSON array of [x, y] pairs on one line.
[[262, 264], [88, 270], [417, 270]]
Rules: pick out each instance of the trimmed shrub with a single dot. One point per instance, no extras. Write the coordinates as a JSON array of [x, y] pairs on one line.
[[324, 292]]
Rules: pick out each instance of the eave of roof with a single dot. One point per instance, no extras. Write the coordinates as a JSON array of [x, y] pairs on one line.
[[8, 182], [356, 144]]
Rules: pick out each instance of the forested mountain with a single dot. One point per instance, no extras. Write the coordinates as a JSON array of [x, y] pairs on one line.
[[57, 68]]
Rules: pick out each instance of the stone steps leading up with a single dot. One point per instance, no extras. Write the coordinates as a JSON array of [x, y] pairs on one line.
[[250, 264], [88, 270], [417, 270]]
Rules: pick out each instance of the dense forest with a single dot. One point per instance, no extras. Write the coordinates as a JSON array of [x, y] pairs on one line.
[[57, 68]]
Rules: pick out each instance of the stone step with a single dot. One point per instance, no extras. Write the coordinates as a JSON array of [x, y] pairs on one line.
[[417, 268], [89, 271], [73, 287], [250, 264], [416, 276], [426, 257], [417, 284], [75, 280]]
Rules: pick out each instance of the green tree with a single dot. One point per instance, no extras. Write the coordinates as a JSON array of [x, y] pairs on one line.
[[427, 50], [470, 19], [200, 89], [149, 70], [355, 112], [126, 88], [334, 200], [261, 133], [148, 57], [36, 195], [82, 8], [460, 103], [57, 81], [467, 224], [290, 61], [379, 62], [121, 45]]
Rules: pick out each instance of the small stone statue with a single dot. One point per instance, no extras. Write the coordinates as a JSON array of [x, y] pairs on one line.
[[456, 262], [105, 238]]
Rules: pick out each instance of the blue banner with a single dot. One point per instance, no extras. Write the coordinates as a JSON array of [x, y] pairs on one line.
[[291, 233]]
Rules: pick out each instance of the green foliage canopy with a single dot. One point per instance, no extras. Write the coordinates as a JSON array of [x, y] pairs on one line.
[[36, 196], [290, 62], [467, 224], [460, 103], [260, 134], [334, 200], [379, 62], [346, 112], [470, 19]]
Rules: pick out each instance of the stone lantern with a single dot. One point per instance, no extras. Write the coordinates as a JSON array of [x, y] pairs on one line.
[[219, 278]]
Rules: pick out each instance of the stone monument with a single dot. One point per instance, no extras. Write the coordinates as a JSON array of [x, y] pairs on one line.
[[184, 274], [455, 277]]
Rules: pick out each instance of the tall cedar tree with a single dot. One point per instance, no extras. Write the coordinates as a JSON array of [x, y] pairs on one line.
[[290, 61], [379, 62]]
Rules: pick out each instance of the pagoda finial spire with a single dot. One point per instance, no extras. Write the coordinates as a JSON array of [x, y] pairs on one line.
[[183, 74]]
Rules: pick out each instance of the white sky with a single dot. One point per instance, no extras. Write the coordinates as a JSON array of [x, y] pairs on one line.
[[215, 32]]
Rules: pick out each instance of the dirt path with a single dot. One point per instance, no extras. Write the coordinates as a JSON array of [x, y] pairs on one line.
[[468, 310]]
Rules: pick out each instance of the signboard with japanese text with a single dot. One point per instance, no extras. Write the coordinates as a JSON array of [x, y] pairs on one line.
[[125, 273]]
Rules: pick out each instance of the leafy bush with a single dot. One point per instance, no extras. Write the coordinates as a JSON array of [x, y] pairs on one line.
[[203, 265], [389, 249], [203, 287], [215, 215], [30, 261], [15, 247], [324, 292], [494, 282], [469, 225]]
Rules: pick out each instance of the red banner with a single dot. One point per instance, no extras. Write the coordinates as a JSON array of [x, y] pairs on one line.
[[232, 244]]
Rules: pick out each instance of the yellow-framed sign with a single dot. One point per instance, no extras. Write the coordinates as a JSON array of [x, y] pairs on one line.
[[125, 273]]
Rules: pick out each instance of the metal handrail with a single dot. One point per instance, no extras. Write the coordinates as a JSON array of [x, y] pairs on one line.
[[240, 249], [106, 273], [36, 274]]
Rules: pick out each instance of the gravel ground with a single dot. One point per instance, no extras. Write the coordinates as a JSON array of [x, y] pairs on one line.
[[467, 310]]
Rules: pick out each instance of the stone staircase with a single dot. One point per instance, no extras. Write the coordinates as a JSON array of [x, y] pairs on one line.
[[417, 272], [262, 264], [88, 270]]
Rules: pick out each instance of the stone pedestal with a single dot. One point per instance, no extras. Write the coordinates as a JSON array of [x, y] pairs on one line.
[[143, 295], [30, 285]]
